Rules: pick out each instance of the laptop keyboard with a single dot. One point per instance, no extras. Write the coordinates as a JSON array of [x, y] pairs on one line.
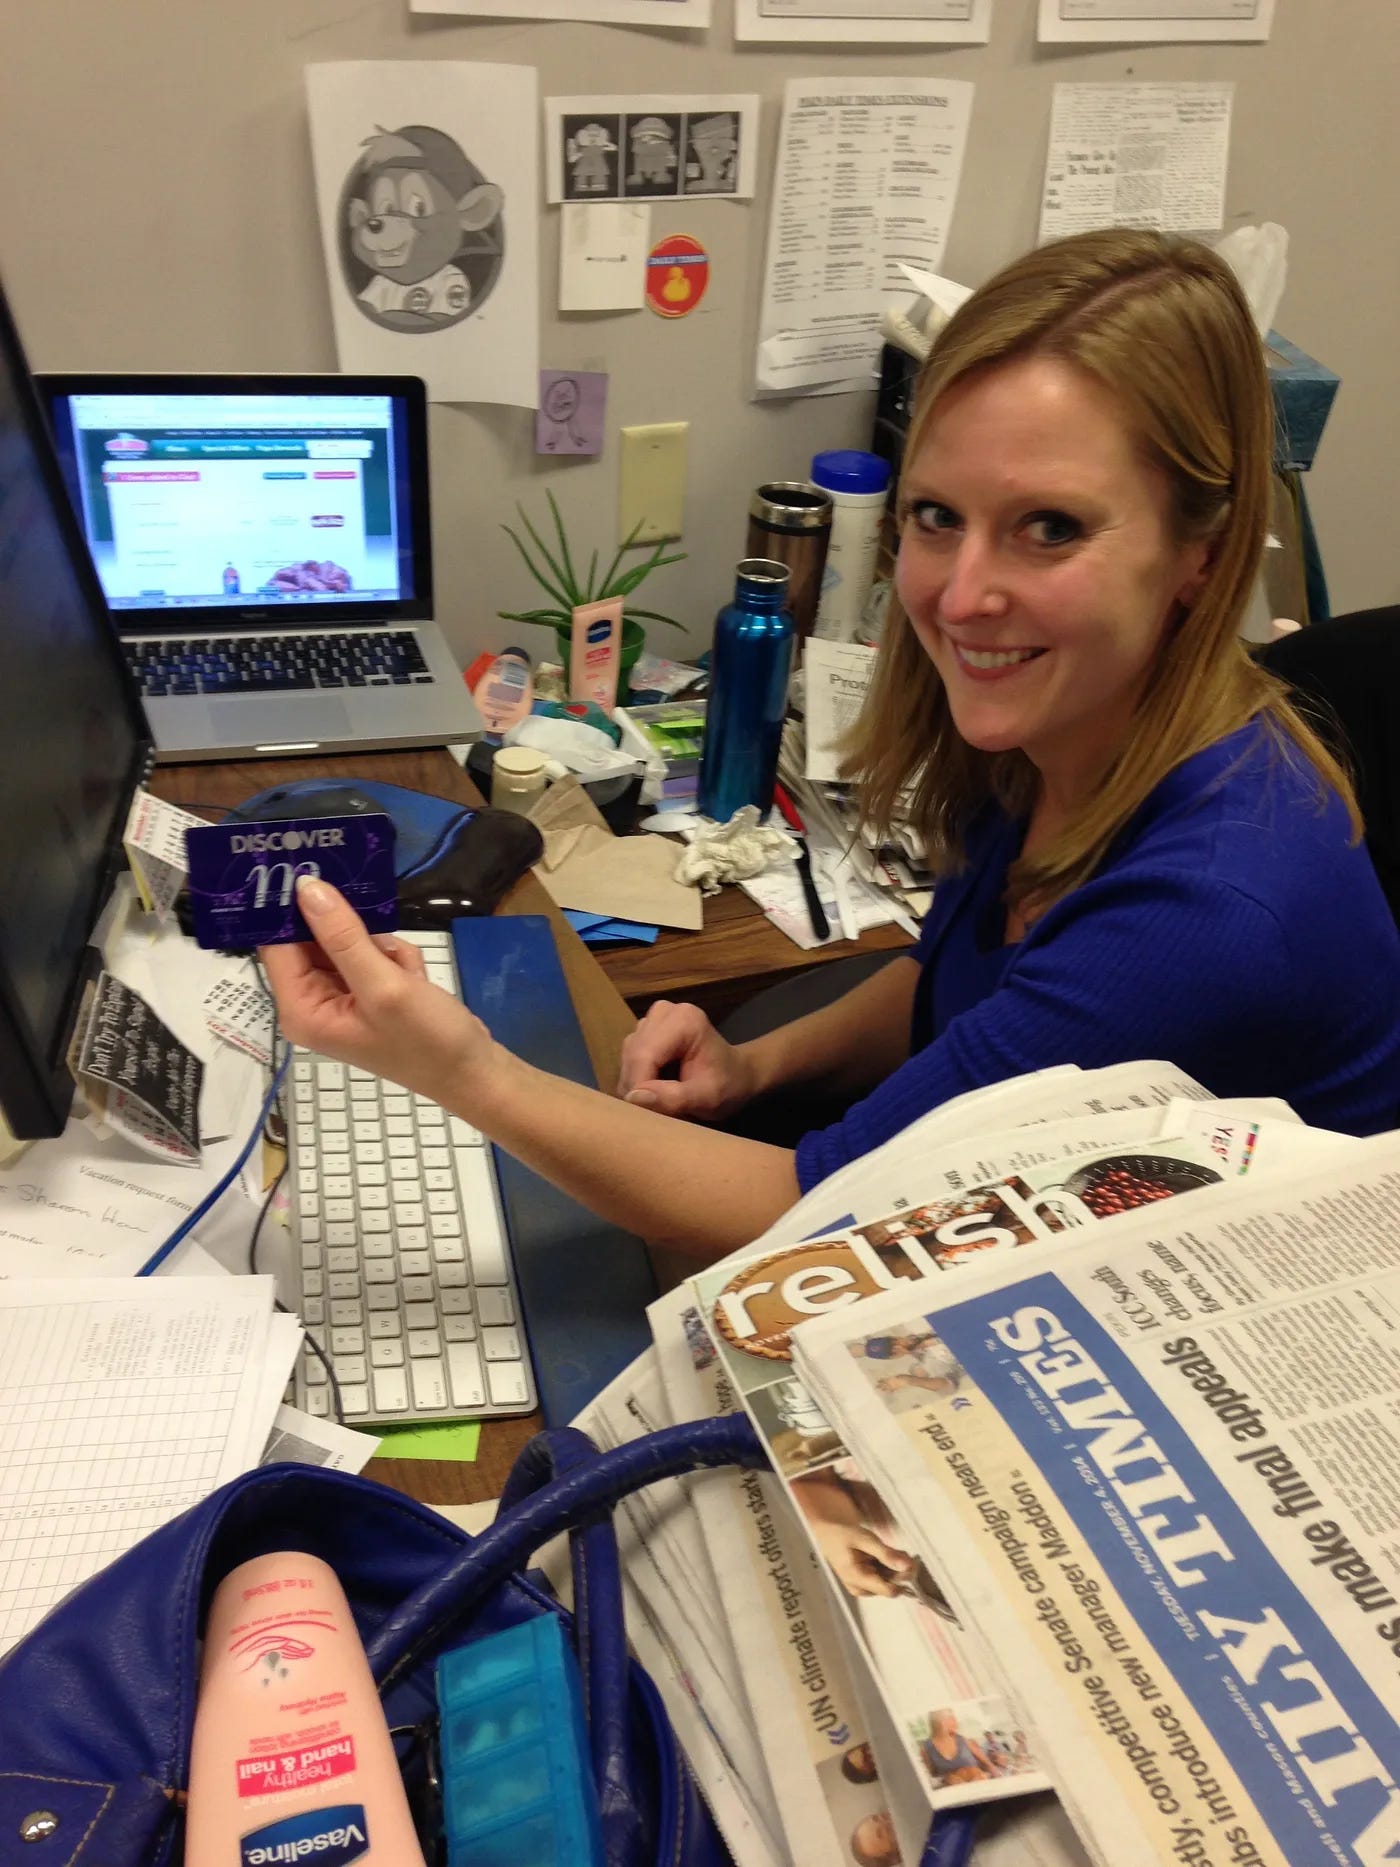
[[277, 664], [406, 1274]]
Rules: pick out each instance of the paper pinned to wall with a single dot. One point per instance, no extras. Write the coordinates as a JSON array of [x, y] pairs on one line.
[[428, 187], [865, 22], [832, 264], [569, 419], [603, 255], [691, 15], [1137, 155], [650, 148], [1127, 22]]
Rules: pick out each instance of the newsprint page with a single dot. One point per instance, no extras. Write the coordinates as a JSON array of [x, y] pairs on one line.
[[1159, 1468]]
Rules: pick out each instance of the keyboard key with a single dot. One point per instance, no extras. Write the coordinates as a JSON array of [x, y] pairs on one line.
[[379, 1271], [371, 1172], [313, 1283], [463, 1134], [303, 1070], [442, 1202], [352, 1368], [311, 1254], [459, 1329], [404, 1170], [377, 1245], [451, 1276], [308, 1179], [313, 1310], [434, 1156], [308, 1228], [464, 1366], [329, 1075], [508, 1384], [408, 1212], [347, 1258], [398, 1126], [312, 1372], [332, 1145], [340, 1209], [309, 1205], [495, 1308], [386, 1353], [364, 1089], [374, 1199], [375, 1222], [415, 1264], [439, 1179], [429, 1385], [347, 1341], [340, 1234], [501, 1344], [390, 1390], [333, 1122], [318, 1402], [486, 1245], [354, 1402], [417, 1289], [420, 1315], [454, 1302], [424, 1342], [449, 1251], [446, 1225], [429, 1114], [382, 1297], [331, 1099], [367, 1134], [357, 1075], [383, 1323], [342, 1284], [412, 1238], [402, 1146]]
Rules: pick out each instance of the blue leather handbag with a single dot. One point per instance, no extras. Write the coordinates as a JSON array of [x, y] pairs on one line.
[[97, 1704]]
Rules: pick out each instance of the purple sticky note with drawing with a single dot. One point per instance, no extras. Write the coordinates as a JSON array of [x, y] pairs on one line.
[[569, 419]]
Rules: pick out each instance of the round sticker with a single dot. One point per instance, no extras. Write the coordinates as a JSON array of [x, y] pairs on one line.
[[678, 270]]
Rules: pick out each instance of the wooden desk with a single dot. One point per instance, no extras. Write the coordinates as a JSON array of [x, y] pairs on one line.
[[602, 1016], [735, 954]]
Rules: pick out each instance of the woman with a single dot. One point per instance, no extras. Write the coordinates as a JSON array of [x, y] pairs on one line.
[[1145, 851]]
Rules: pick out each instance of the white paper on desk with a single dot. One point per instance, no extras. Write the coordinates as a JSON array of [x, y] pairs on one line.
[[1160, 22], [145, 1393], [456, 300], [832, 263], [866, 22], [299, 1438], [603, 255], [837, 675], [1137, 155], [779, 893]]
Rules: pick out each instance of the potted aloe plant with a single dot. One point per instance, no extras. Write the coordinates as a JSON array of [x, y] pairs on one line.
[[556, 574]]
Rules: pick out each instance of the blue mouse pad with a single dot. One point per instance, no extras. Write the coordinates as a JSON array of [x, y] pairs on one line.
[[243, 876]]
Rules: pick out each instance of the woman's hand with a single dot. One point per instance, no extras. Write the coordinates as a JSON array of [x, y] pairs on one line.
[[861, 1560], [712, 1077], [365, 1000]]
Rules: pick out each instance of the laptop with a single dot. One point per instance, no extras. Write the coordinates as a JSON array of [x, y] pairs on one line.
[[263, 543]]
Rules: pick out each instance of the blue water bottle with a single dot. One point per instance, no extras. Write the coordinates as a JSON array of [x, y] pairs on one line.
[[749, 670]]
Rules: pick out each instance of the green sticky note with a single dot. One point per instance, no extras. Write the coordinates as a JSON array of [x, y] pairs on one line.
[[439, 1439]]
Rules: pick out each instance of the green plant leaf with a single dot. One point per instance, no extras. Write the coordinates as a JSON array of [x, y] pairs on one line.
[[652, 615], [568, 590], [563, 542], [626, 584], [534, 570], [549, 618], [592, 573], [626, 545]]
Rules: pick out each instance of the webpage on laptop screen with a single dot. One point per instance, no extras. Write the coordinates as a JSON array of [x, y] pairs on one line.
[[226, 500]]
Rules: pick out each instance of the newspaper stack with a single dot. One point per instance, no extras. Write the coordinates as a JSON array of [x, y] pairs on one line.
[[838, 1676]]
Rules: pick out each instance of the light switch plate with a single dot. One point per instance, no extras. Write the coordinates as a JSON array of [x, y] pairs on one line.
[[652, 494]]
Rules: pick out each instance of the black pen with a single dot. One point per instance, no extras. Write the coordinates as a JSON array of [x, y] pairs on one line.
[[821, 926]]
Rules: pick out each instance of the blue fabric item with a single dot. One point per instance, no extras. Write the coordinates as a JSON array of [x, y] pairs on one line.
[[97, 1704], [1232, 930]]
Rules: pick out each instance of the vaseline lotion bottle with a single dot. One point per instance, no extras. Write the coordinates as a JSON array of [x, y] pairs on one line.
[[292, 1759]]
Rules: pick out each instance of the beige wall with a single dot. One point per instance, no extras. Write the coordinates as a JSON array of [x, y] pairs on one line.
[[156, 211]]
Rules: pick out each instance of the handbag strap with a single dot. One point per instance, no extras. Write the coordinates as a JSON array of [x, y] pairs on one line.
[[600, 1635], [429, 1614]]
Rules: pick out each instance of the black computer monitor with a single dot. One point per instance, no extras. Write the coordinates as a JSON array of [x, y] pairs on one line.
[[73, 749]]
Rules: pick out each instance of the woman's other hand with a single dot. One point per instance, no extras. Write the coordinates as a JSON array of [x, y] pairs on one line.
[[365, 999], [712, 1079]]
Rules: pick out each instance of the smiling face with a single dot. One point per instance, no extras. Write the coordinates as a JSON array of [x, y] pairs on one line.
[[1039, 565]]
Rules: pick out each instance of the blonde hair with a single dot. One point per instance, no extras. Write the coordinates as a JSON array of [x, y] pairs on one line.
[[1162, 324]]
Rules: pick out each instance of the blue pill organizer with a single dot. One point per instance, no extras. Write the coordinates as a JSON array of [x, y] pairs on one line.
[[517, 1785]]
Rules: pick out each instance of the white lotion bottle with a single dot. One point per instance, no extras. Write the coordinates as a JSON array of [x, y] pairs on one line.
[[292, 1759]]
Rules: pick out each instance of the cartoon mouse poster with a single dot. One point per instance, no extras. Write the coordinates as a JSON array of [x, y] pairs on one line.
[[427, 188]]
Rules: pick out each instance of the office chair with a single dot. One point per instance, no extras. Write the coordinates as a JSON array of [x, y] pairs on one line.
[[1345, 677]]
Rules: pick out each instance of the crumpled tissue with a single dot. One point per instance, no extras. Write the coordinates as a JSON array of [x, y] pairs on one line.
[[1259, 258], [733, 851]]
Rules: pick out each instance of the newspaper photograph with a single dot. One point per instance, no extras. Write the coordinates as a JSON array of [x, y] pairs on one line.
[[1160, 1468], [821, 1765], [1034, 1185]]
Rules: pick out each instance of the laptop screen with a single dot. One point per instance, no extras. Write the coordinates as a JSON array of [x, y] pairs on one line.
[[193, 499]]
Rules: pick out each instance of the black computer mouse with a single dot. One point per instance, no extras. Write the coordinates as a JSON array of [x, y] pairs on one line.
[[330, 798]]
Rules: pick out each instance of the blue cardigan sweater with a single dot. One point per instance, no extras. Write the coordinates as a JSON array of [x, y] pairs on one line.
[[1232, 930]]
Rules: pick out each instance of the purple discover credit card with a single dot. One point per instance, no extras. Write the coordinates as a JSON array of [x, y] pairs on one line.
[[243, 876]]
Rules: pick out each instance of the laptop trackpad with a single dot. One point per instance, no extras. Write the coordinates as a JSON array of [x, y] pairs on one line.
[[296, 719]]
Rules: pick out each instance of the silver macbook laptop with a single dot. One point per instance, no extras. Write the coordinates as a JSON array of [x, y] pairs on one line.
[[264, 546]]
